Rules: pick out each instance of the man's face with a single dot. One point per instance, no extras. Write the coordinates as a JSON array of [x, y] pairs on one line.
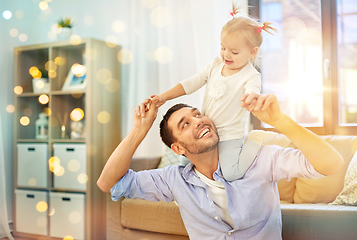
[[193, 131]]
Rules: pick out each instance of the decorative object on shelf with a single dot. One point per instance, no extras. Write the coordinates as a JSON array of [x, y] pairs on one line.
[[63, 123], [78, 130], [42, 126], [40, 82], [76, 78], [64, 28]]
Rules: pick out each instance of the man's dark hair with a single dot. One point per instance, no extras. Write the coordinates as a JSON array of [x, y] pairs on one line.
[[165, 131]]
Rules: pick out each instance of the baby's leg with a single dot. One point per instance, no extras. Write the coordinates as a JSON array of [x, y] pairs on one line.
[[229, 152]]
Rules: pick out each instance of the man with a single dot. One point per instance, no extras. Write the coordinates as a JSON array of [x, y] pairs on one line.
[[210, 206]]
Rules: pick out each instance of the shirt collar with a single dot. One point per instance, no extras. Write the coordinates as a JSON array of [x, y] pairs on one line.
[[190, 176]]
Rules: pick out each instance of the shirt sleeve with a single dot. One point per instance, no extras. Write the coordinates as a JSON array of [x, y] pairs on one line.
[[192, 84], [150, 185], [253, 85], [286, 163]]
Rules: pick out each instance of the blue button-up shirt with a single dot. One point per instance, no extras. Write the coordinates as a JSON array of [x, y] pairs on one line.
[[253, 201]]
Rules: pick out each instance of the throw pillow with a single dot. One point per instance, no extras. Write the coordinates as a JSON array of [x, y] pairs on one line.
[[169, 158], [348, 196]]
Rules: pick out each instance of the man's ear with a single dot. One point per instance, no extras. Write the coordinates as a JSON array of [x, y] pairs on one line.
[[254, 52], [178, 149]]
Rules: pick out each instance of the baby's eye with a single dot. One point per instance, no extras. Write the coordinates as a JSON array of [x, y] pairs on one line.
[[235, 53]]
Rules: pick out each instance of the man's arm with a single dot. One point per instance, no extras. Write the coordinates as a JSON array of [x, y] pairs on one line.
[[118, 163], [321, 155]]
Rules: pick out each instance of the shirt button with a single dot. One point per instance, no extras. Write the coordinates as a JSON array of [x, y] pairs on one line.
[[229, 233], [216, 218]]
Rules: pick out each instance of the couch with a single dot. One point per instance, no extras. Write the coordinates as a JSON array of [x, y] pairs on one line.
[[307, 212]]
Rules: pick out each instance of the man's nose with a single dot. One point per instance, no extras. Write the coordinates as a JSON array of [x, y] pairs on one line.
[[198, 122]]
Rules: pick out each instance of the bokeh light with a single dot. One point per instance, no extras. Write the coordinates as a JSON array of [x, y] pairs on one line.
[[47, 111], [78, 69], [149, 3], [82, 178], [60, 61], [50, 66], [10, 108], [118, 26], [103, 117], [41, 206], [23, 37], [150, 56], [52, 73], [43, 5], [73, 165], [68, 237], [14, 32], [75, 217], [40, 84], [111, 41], [43, 99], [163, 55], [32, 182], [77, 114], [18, 90], [160, 17], [112, 86], [7, 14], [53, 162], [58, 171], [24, 121], [77, 95], [52, 212], [19, 14], [125, 56], [75, 40], [104, 75]]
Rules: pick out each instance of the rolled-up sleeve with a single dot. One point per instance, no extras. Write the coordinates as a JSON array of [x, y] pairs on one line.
[[150, 185]]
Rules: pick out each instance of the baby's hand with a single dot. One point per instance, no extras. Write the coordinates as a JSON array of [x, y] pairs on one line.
[[158, 99]]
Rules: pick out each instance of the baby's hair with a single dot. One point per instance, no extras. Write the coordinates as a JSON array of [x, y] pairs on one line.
[[249, 28]]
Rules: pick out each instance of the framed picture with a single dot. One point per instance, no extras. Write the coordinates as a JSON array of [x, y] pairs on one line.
[[76, 81]]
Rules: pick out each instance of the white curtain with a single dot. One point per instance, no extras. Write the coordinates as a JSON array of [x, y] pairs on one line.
[[4, 222], [169, 41]]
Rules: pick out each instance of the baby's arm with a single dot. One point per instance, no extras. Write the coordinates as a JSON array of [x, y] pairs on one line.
[[173, 93]]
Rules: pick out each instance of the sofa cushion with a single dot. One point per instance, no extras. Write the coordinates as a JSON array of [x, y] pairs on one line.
[[348, 196], [160, 217], [325, 190], [169, 158]]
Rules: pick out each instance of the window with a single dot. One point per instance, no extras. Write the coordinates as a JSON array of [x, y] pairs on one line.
[[310, 63]]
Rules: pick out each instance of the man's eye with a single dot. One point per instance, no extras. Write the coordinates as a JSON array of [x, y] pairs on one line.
[[198, 114], [184, 125]]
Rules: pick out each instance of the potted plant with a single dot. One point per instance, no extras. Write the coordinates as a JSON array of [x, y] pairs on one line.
[[65, 25]]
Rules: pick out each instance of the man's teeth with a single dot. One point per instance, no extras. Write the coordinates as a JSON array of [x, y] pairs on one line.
[[204, 132]]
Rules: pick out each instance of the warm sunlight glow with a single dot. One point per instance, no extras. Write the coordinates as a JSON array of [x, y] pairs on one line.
[[103, 117], [53, 162], [125, 56], [24, 121], [73, 165], [77, 114], [75, 217], [118, 26], [75, 40], [160, 17], [41, 206], [14, 32], [82, 178], [163, 55], [43, 99], [112, 86], [18, 90], [104, 75], [10, 108]]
